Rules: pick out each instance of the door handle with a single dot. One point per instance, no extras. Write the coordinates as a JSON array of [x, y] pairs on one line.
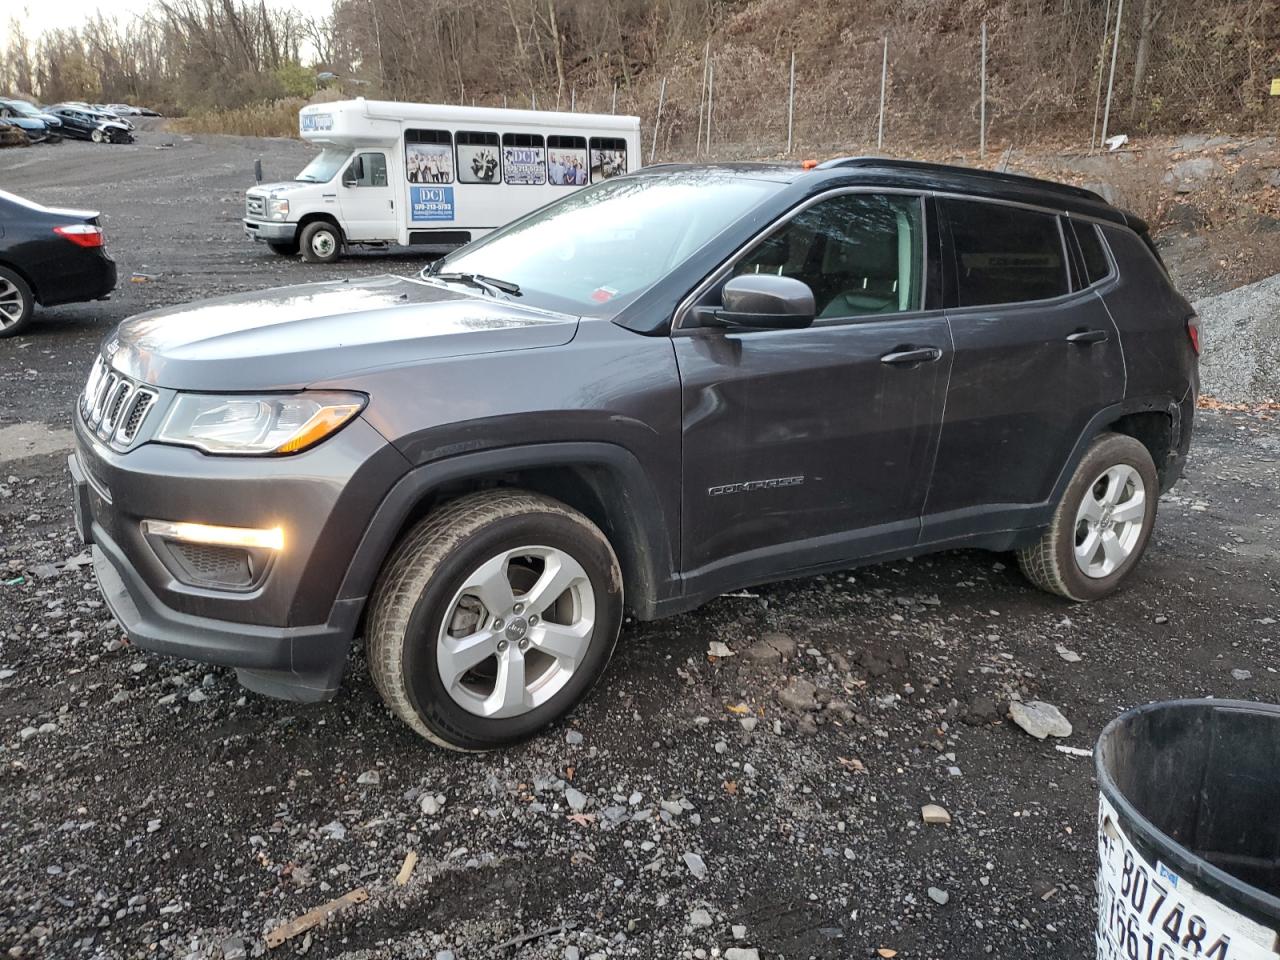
[[912, 355], [1088, 336]]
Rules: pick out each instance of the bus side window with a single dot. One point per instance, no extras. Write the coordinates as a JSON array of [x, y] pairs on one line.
[[479, 157], [608, 158], [567, 161], [524, 158], [428, 156]]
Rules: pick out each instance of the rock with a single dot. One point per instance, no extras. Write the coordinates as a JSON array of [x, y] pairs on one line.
[[334, 830], [771, 648], [444, 955], [696, 866], [6, 674], [370, 778], [197, 696], [739, 931], [27, 733], [572, 953], [233, 949], [718, 649], [1068, 655], [48, 728], [1242, 674], [799, 695], [430, 804], [573, 737], [699, 918], [748, 723], [981, 710], [940, 897], [932, 813], [576, 799], [1040, 719], [742, 953], [167, 699]]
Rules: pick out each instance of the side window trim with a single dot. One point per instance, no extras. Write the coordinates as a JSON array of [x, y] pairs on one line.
[[722, 272]]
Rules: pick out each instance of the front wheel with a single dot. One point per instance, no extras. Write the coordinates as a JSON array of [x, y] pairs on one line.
[[321, 242], [493, 618], [1102, 524], [96, 136]]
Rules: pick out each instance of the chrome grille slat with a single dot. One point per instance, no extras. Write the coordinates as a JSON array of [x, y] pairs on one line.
[[255, 206], [114, 406]]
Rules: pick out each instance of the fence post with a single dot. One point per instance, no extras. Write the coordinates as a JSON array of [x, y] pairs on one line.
[[982, 110], [711, 90], [1102, 61], [573, 99], [613, 105], [1115, 49], [657, 119], [702, 97], [504, 101], [884, 76], [791, 102], [533, 100]]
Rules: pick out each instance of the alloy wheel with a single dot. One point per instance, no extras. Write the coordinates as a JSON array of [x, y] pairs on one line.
[[516, 631], [1109, 521], [12, 305]]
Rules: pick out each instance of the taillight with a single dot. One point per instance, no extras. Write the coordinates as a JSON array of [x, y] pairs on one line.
[[1193, 332], [81, 234]]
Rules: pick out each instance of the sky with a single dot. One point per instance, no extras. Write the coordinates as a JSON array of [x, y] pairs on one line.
[[38, 16]]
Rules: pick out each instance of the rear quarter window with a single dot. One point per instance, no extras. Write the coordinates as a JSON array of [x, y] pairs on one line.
[[1096, 262], [1005, 254]]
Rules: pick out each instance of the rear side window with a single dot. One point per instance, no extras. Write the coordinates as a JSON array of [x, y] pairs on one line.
[[608, 158], [524, 158], [1096, 264], [1005, 254], [478, 157], [567, 161]]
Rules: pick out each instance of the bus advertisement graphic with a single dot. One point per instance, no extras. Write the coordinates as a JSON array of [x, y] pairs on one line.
[[524, 164], [430, 203]]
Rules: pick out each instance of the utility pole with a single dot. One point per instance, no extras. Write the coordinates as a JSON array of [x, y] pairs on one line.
[[791, 102], [702, 97], [1102, 59], [982, 112], [711, 85], [884, 77], [1111, 80], [657, 119]]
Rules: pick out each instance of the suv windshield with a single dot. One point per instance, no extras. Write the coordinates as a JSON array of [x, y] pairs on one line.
[[598, 249], [323, 167]]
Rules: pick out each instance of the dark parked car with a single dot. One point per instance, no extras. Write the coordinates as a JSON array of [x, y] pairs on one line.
[[48, 256], [666, 386], [28, 113], [85, 124]]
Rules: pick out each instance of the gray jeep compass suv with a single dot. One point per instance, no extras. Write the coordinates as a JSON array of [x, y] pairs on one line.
[[665, 386]]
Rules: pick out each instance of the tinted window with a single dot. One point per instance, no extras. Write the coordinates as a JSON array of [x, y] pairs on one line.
[[524, 158], [860, 254], [567, 161], [608, 157], [1096, 263], [428, 156], [1005, 254], [478, 157]]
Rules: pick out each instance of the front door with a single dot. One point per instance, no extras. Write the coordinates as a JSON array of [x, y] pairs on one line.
[[367, 199], [1036, 357], [805, 447]]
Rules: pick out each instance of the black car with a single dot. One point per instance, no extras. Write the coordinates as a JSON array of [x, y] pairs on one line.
[[82, 123], [666, 386], [48, 256]]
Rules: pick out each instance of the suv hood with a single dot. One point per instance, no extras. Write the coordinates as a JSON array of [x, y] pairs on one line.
[[290, 337]]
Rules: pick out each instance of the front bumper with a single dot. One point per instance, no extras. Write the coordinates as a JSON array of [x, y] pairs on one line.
[[288, 636], [270, 230]]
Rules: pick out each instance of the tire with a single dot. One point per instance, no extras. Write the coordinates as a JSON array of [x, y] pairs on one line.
[[429, 595], [285, 248], [1091, 547], [96, 136], [321, 242], [17, 303]]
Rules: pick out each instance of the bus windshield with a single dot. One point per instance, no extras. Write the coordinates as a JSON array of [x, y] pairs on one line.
[[599, 249], [323, 167]]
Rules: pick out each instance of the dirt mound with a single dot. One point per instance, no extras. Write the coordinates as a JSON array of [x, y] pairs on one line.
[[1241, 358]]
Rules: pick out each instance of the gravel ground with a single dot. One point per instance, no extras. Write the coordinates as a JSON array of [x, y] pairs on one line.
[[1241, 360], [695, 806]]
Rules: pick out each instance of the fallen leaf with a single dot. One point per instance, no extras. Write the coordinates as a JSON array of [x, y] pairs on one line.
[[852, 764], [731, 786], [738, 708], [582, 819], [886, 952]]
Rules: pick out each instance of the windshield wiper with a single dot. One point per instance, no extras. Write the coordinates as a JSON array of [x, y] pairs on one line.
[[479, 280]]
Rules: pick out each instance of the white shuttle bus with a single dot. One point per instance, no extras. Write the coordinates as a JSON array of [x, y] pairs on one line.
[[430, 176]]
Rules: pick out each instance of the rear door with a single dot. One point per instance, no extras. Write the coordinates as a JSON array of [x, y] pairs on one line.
[[1036, 356], [810, 446]]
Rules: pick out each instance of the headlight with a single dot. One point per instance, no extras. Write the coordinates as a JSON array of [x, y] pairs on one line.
[[277, 209], [256, 425]]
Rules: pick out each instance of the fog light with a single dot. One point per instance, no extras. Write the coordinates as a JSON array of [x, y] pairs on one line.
[[268, 539]]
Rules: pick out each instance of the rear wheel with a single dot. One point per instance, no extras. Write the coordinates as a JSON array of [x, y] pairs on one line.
[[286, 248], [1102, 525], [321, 242], [17, 303], [493, 618]]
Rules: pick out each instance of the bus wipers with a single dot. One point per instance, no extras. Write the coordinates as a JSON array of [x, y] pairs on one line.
[[479, 280]]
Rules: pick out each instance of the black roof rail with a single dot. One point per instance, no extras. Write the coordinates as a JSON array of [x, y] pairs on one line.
[[992, 177]]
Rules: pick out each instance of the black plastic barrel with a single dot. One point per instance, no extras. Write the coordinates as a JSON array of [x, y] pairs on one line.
[[1189, 832]]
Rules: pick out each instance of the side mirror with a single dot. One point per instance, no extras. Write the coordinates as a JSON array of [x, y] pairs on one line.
[[355, 173], [763, 301]]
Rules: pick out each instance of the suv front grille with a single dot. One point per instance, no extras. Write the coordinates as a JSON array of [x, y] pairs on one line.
[[255, 207], [113, 406]]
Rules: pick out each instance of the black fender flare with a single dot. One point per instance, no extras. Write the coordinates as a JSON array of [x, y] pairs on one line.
[[645, 549]]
